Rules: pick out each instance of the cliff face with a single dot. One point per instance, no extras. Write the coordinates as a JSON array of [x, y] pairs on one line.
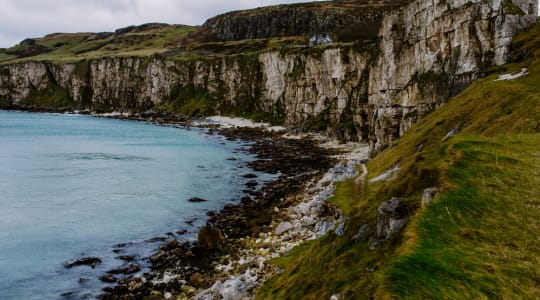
[[344, 19], [431, 50], [371, 90]]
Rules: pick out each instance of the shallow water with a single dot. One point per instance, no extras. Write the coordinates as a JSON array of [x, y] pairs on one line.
[[74, 186]]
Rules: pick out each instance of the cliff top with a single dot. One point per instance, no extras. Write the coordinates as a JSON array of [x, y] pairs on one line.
[[358, 5], [143, 40], [294, 23]]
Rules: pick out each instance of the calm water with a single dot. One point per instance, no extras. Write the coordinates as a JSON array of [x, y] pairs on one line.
[[74, 186]]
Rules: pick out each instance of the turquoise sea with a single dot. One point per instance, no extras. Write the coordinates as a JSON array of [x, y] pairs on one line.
[[73, 186]]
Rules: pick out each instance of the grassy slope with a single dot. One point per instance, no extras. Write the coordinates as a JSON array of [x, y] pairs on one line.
[[77, 46], [479, 239]]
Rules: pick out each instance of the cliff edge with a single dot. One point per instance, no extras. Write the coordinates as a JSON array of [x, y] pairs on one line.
[[372, 87]]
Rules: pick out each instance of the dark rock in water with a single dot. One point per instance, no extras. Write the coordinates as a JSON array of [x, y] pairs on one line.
[[160, 256], [132, 269], [126, 257], [83, 280], [196, 200], [68, 295], [118, 250], [211, 213], [210, 237], [122, 245], [181, 232], [156, 239], [108, 289], [108, 278], [231, 159], [89, 261], [128, 270], [252, 183], [170, 245], [250, 176]]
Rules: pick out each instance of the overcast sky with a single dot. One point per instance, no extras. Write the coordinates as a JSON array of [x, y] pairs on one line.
[[20, 19]]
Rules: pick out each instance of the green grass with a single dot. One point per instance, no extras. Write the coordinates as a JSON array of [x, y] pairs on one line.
[[52, 96], [188, 100], [477, 240], [70, 47]]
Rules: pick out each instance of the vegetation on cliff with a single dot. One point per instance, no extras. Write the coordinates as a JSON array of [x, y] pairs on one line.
[[478, 238], [144, 40]]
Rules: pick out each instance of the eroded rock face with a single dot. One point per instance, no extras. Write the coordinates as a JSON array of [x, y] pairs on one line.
[[373, 90], [430, 51], [345, 19]]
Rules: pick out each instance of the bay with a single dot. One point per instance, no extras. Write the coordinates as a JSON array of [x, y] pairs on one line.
[[74, 186]]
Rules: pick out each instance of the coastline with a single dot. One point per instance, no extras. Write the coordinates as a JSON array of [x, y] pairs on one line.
[[229, 260]]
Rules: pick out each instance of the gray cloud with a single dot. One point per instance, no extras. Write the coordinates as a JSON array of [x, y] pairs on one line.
[[20, 19]]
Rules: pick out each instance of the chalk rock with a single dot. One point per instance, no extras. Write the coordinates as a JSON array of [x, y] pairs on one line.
[[283, 227]]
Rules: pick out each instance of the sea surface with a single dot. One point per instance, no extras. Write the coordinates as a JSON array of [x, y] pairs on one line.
[[73, 186]]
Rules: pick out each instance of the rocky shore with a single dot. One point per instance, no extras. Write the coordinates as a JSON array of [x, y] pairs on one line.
[[228, 259]]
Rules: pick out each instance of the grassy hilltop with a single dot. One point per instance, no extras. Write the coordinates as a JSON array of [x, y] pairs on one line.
[[479, 238], [141, 40]]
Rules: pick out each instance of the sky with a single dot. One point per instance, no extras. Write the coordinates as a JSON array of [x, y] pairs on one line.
[[20, 19]]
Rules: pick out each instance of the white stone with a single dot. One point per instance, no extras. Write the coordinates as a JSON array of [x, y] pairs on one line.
[[283, 227]]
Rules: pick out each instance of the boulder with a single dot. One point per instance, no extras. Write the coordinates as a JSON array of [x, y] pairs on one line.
[[160, 256], [210, 237], [127, 270], [89, 261], [283, 227], [108, 278], [196, 200], [252, 183], [126, 257]]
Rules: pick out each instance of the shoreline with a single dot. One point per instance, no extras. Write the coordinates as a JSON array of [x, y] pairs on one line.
[[231, 263], [228, 260]]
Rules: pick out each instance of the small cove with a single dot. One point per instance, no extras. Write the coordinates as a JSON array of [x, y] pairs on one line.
[[74, 186]]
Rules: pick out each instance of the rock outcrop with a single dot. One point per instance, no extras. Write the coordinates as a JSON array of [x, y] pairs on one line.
[[373, 89], [344, 19]]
